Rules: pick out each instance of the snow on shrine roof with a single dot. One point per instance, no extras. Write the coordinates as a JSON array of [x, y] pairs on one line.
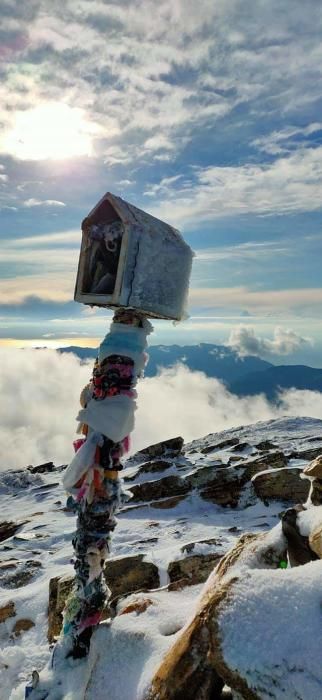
[[129, 214]]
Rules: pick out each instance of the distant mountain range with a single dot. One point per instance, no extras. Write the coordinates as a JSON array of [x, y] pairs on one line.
[[242, 375]]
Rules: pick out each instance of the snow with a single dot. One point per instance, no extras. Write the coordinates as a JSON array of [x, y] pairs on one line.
[[127, 652], [272, 618]]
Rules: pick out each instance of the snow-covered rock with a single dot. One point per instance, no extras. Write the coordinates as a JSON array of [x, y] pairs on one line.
[[219, 471]]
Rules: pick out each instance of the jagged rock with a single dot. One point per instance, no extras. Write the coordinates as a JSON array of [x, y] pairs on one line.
[[190, 546], [222, 486], [24, 573], [231, 442], [8, 564], [193, 569], [167, 503], [159, 465], [312, 453], [123, 575], [240, 447], [197, 654], [137, 606], [265, 446], [314, 469], [8, 528], [171, 447], [7, 610], [315, 540], [22, 625], [42, 468], [316, 495], [161, 488], [273, 460], [281, 485]]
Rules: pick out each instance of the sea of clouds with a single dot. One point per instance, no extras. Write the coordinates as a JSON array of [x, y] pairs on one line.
[[40, 400]]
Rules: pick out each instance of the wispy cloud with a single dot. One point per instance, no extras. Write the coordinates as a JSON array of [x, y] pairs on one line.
[[163, 70], [284, 302], [288, 185], [284, 141], [32, 202]]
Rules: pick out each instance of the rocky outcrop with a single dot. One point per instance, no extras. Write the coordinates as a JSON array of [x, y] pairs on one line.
[[224, 485], [281, 485], [195, 667], [123, 575], [158, 465], [8, 528], [171, 448], [160, 488], [193, 568], [240, 637]]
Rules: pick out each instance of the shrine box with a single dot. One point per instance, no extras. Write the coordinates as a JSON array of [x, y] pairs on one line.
[[130, 259]]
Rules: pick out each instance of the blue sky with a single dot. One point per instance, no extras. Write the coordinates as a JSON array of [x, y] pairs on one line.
[[206, 114]]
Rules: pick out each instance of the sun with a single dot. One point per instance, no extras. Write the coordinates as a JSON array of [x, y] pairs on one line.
[[50, 131]]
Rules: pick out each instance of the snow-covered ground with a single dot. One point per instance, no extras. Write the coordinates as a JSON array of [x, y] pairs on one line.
[[136, 644]]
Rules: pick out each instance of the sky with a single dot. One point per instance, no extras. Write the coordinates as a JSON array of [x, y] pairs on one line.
[[207, 115]]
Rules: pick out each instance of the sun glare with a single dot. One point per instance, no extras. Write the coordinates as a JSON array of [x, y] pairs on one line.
[[50, 131]]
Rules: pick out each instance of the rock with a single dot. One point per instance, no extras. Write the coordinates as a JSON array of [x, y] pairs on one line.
[[273, 460], [23, 574], [311, 453], [231, 442], [195, 667], [235, 458], [8, 528], [138, 606], [193, 569], [126, 575], [190, 546], [281, 485], [222, 486], [314, 469], [22, 625], [315, 540], [42, 468], [171, 447], [159, 465], [240, 447], [59, 589], [265, 446], [123, 575], [9, 564], [161, 488], [316, 495], [7, 610]]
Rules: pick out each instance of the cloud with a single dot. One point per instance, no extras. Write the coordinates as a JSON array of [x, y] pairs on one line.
[[292, 302], [40, 392], [286, 139], [288, 185], [42, 203], [160, 72], [285, 342]]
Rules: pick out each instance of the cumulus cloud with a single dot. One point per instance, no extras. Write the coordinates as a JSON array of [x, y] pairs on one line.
[[285, 342], [40, 391]]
